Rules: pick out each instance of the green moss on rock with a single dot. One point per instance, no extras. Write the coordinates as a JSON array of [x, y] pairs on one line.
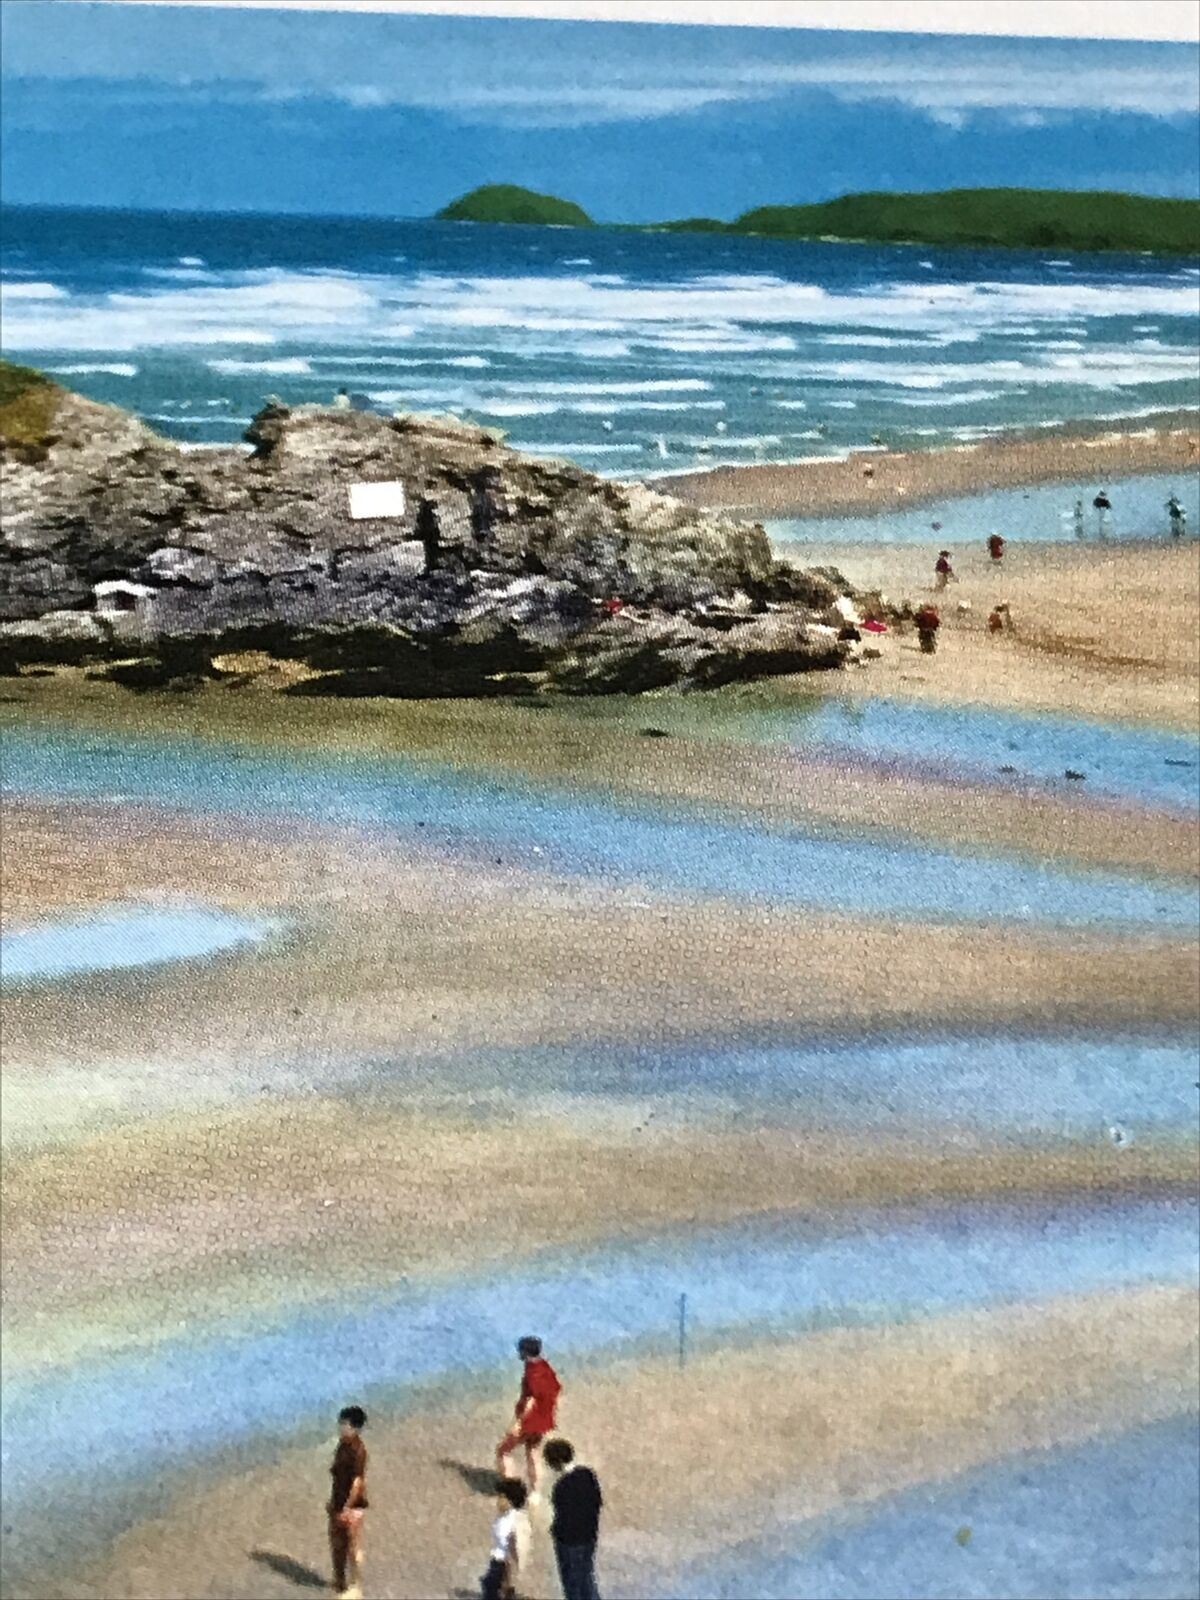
[[28, 404]]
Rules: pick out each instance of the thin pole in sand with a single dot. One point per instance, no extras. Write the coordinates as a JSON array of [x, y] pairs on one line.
[[682, 1330]]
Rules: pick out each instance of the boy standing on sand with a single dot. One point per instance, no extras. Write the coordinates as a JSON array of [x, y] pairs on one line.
[[534, 1413], [347, 1502], [509, 1534], [943, 569]]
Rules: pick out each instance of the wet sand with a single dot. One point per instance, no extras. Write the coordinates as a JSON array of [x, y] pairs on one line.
[[793, 1427], [228, 1217], [727, 780], [1170, 441]]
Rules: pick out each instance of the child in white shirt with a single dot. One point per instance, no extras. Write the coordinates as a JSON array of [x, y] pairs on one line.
[[510, 1533]]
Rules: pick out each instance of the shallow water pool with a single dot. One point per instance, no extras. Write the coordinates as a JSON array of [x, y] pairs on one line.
[[1149, 765], [1043, 511], [120, 937]]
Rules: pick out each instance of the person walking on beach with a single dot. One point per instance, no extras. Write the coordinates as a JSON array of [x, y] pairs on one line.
[[943, 569], [1080, 530], [347, 1503], [510, 1537], [927, 623], [1103, 507], [995, 546], [577, 1503], [1178, 517], [534, 1414]]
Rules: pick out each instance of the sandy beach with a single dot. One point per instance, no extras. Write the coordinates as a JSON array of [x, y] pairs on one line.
[[800, 1427], [1097, 631], [1087, 451], [177, 1136]]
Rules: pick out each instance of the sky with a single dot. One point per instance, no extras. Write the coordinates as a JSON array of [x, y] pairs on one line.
[[214, 108]]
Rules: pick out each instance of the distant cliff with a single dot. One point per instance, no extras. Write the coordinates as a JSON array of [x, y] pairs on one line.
[[508, 202]]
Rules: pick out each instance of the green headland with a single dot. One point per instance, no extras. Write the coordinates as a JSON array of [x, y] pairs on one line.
[[1058, 219], [508, 202]]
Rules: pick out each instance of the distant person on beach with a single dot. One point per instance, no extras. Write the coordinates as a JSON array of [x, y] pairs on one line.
[[348, 1502], [1178, 517], [509, 1537], [534, 1413], [1080, 530], [1103, 507], [943, 569], [995, 546], [999, 618], [577, 1503], [341, 401], [927, 623]]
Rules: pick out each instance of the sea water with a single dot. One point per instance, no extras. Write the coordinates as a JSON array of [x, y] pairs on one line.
[[1152, 766], [629, 352]]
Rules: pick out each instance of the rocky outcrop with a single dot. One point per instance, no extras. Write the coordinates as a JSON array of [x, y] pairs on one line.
[[503, 569]]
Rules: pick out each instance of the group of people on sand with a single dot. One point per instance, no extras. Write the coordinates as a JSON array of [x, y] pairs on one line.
[[927, 619], [575, 1500]]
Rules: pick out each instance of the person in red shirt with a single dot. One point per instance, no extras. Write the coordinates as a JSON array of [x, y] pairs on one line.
[[945, 572], [535, 1412], [995, 546]]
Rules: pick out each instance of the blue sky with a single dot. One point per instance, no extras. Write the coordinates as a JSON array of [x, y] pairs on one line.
[[216, 108]]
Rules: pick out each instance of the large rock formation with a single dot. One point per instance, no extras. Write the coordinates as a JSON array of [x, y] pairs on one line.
[[502, 570]]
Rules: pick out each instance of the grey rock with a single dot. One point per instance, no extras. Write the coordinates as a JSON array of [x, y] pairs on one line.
[[494, 570]]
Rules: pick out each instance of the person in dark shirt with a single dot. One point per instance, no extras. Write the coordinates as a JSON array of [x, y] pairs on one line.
[[576, 1526], [347, 1502]]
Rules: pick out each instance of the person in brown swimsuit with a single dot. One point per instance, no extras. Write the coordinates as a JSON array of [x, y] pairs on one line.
[[347, 1502]]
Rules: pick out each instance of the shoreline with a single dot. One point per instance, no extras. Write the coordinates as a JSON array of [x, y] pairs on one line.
[[1070, 451]]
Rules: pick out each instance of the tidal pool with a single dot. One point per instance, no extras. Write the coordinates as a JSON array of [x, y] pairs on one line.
[[1037, 513], [656, 845], [122, 936]]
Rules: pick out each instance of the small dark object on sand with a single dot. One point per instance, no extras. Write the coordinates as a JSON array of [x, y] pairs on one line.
[[1077, 776], [654, 733]]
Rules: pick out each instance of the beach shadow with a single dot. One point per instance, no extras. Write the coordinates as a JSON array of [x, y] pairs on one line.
[[480, 1480], [294, 1571]]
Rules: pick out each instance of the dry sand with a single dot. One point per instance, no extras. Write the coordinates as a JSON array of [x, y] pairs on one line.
[[788, 1430], [1073, 452], [1098, 631]]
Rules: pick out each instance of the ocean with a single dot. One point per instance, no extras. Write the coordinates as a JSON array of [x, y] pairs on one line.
[[631, 353]]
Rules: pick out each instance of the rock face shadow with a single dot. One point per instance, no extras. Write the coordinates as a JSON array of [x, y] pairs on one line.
[[480, 1480], [294, 1571]]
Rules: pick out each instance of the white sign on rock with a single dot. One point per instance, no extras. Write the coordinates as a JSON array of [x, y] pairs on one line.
[[376, 500]]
